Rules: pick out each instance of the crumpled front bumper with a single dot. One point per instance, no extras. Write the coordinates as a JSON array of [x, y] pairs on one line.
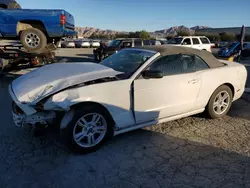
[[24, 107], [40, 118], [25, 115]]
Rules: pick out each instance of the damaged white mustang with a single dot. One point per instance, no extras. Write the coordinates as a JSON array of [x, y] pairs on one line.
[[131, 89]]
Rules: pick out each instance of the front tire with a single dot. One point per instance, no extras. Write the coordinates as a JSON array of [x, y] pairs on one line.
[[33, 40], [90, 127], [220, 102]]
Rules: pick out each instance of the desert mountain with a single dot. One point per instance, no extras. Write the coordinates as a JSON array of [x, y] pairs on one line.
[[88, 31]]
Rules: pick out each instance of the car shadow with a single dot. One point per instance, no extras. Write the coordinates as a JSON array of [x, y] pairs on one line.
[[133, 159]]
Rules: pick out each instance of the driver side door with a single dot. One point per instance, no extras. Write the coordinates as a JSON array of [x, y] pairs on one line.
[[175, 93], [187, 42]]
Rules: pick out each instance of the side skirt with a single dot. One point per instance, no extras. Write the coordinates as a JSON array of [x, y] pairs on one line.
[[154, 122]]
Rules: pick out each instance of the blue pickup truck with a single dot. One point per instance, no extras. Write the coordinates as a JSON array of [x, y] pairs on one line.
[[232, 49], [35, 28]]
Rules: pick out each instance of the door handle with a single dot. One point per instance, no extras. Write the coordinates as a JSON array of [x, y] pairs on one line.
[[194, 81]]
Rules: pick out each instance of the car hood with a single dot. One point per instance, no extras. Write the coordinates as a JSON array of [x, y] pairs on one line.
[[49, 79]]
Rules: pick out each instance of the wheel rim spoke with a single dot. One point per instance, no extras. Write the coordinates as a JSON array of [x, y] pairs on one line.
[[80, 136], [99, 129], [219, 109], [225, 105], [81, 124], [83, 120], [95, 118], [216, 104], [91, 139], [225, 96]]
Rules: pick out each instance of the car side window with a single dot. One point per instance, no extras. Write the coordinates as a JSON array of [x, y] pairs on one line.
[[192, 63], [146, 42], [200, 64], [138, 43], [126, 44], [186, 41], [195, 41], [204, 40], [168, 65]]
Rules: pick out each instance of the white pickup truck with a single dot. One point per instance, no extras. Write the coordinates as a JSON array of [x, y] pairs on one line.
[[198, 42]]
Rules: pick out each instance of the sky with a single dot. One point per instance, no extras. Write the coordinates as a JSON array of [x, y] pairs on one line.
[[150, 15]]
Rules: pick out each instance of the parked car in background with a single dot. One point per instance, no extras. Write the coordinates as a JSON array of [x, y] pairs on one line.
[[232, 49], [151, 85], [151, 42], [68, 44], [213, 44], [95, 44], [223, 44], [82, 44], [163, 42], [197, 42], [116, 45], [35, 28]]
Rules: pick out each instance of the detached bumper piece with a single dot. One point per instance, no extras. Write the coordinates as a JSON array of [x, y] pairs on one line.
[[39, 118]]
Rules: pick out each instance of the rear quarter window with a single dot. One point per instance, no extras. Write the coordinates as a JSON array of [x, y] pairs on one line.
[[138, 43], [204, 40], [195, 41]]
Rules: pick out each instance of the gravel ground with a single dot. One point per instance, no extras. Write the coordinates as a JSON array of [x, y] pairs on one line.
[[190, 152]]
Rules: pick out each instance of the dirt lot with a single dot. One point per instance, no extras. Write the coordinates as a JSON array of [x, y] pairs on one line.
[[191, 152]]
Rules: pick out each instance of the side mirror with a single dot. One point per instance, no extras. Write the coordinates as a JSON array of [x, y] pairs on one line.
[[152, 74]]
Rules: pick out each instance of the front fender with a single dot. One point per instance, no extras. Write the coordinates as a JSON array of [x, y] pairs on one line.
[[116, 101]]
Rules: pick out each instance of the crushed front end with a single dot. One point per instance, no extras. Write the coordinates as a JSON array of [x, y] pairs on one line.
[[25, 115]]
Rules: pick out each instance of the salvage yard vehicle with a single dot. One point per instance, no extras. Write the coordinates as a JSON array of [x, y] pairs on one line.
[[232, 49], [131, 89], [35, 28], [12, 55], [94, 44], [68, 44], [197, 42], [82, 44], [115, 46]]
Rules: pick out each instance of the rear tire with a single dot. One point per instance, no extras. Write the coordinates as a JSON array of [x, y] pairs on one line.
[[220, 102], [92, 133], [33, 40]]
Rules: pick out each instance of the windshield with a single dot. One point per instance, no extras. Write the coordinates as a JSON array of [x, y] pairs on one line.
[[175, 41], [114, 43], [127, 61]]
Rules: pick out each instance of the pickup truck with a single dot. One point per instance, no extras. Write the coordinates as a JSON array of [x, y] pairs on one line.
[[35, 28]]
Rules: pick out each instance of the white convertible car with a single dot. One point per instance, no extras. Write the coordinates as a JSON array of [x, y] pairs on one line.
[[131, 89]]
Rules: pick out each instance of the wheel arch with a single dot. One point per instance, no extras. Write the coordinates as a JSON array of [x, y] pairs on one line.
[[26, 24], [227, 84], [69, 115]]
